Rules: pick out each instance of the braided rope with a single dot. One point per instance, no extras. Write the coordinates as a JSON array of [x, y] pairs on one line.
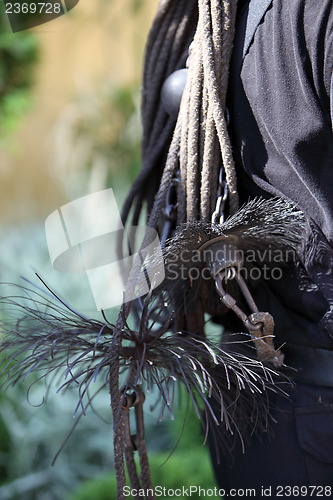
[[118, 430]]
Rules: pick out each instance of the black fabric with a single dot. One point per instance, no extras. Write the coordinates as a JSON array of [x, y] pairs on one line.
[[284, 138], [279, 106], [279, 103], [299, 453]]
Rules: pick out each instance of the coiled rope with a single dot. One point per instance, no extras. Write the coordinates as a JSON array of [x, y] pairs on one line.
[[200, 142], [197, 146]]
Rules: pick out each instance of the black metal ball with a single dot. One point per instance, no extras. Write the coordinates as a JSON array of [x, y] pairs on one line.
[[172, 91]]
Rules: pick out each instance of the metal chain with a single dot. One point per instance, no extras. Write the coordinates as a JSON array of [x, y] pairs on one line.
[[222, 196]]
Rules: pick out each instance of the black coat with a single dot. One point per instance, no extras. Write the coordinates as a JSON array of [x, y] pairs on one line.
[[281, 125]]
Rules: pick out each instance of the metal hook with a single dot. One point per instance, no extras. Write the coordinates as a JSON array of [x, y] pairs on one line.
[[259, 324]]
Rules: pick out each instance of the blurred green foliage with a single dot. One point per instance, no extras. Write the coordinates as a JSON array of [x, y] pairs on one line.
[[97, 137], [134, 4], [5, 444], [18, 57], [188, 465], [183, 469], [31, 435]]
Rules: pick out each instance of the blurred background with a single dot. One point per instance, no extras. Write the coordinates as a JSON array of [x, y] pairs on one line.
[[69, 126]]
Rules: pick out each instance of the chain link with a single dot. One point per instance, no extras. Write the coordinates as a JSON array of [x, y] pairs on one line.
[[222, 196]]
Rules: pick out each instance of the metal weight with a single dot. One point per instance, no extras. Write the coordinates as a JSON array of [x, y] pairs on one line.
[[172, 92]]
